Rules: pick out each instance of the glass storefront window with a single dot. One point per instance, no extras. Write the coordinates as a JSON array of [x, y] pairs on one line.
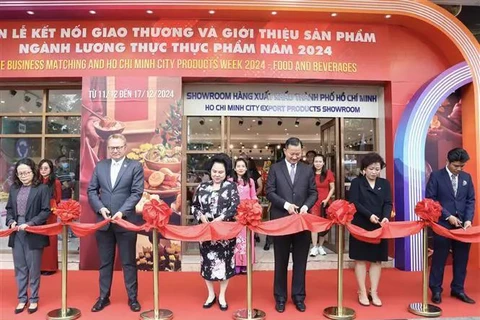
[[204, 133], [21, 101], [21, 125], [63, 125], [197, 168], [64, 101], [359, 135], [14, 149]]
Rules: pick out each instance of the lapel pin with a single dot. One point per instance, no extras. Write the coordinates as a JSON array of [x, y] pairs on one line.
[[464, 183], [124, 165], [379, 188]]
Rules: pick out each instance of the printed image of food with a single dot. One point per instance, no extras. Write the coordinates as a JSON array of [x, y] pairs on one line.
[[3, 196], [435, 124], [144, 199], [169, 256]]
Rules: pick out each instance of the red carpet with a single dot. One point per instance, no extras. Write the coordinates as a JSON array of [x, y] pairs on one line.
[[185, 292]]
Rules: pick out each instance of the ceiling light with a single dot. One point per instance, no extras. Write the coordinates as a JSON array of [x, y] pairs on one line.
[[3, 101], [253, 120], [202, 121], [297, 123], [231, 146], [274, 13], [248, 128], [211, 11], [240, 122], [149, 11], [318, 123], [334, 14], [279, 122], [388, 16], [254, 146], [278, 146], [260, 122], [92, 12], [30, 12]]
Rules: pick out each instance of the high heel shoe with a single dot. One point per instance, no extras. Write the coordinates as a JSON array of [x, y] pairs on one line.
[[20, 310], [32, 309], [373, 296], [362, 300], [208, 305], [223, 307]]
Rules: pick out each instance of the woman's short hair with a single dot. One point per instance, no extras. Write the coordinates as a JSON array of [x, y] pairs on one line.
[[222, 158], [371, 158]]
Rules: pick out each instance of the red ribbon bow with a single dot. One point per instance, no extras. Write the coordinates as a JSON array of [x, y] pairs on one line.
[[67, 211], [341, 211], [428, 210], [249, 213], [156, 213]]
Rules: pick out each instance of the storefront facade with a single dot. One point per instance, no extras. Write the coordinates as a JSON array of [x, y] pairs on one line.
[[344, 61]]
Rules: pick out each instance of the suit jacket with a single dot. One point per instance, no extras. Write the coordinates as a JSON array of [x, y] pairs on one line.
[[439, 188], [123, 196], [279, 188], [38, 210], [368, 201]]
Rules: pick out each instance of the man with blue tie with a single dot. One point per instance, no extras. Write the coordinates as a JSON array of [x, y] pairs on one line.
[[114, 190], [453, 188]]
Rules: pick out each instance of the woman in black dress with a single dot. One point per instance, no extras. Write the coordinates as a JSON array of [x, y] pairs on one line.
[[217, 200], [373, 200]]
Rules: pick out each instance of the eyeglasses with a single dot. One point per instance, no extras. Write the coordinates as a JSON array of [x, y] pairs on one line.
[[116, 148], [23, 174]]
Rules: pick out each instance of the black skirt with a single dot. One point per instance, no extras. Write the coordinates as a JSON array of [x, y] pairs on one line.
[[364, 251]]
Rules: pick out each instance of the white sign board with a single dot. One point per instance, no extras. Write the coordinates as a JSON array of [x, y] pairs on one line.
[[270, 100]]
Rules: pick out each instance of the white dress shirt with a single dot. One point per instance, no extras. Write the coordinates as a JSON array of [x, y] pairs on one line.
[[115, 169], [290, 168]]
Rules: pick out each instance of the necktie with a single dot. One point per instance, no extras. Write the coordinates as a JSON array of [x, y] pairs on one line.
[[454, 184], [292, 173]]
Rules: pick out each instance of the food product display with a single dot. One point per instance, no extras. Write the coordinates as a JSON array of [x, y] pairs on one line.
[[169, 257]]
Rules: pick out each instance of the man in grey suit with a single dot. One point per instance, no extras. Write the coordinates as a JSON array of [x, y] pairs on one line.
[[291, 190], [114, 190]]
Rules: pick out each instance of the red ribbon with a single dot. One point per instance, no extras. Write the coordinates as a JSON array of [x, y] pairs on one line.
[[428, 210], [156, 213], [249, 213], [341, 212], [67, 211]]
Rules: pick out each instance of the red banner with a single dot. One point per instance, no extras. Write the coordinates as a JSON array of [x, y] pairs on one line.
[[194, 48]]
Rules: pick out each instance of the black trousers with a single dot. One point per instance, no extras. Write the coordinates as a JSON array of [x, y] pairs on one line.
[[460, 252], [126, 240], [300, 243]]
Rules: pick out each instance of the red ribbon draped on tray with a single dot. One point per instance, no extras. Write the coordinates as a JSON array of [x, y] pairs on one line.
[[157, 213]]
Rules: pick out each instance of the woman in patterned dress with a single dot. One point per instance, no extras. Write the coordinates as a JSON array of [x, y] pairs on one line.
[[216, 200], [246, 190]]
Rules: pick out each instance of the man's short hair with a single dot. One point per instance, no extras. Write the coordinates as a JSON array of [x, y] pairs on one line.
[[458, 154], [293, 141], [117, 136]]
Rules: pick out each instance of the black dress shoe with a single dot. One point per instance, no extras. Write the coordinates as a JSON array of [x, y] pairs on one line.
[[134, 305], [266, 247], [47, 273], [100, 304], [280, 306], [208, 305], [300, 305], [20, 310], [223, 307], [462, 296], [437, 297]]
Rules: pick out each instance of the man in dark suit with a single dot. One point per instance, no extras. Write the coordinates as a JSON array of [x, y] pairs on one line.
[[115, 188], [291, 190], [453, 188]]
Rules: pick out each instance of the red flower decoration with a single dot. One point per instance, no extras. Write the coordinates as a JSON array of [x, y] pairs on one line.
[[249, 213], [156, 213], [341, 211], [67, 211], [428, 210]]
